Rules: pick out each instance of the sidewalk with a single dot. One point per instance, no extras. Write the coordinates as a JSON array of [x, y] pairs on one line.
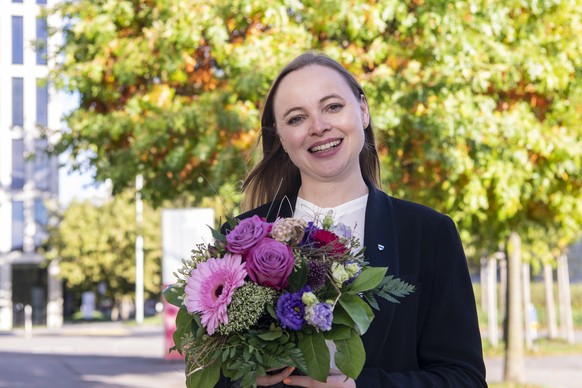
[[88, 355], [563, 371], [112, 355]]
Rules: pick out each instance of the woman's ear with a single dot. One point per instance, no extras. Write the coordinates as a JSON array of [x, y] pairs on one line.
[[365, 111]]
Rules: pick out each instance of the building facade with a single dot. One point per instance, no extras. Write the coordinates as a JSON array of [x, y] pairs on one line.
[[28, 175]]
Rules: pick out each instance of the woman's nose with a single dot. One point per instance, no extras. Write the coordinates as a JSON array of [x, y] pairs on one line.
[[320, 125]]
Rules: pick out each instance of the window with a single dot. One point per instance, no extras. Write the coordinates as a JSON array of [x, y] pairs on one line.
[[40, 212], [41, 41], [18, 164], [42, 165], [17, 1], [17, 40], [17, 225], [18, 101], [41, 103], [42, 2]]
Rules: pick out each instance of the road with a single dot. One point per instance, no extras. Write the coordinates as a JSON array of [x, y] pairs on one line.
[[112, 355]]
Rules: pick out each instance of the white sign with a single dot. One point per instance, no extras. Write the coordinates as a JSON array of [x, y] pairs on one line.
[[182, 229]]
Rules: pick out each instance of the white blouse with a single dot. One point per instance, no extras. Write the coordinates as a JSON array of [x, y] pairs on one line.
[[351, 214]]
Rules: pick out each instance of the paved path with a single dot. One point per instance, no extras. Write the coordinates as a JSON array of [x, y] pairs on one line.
[[88, 355], [113, 355]]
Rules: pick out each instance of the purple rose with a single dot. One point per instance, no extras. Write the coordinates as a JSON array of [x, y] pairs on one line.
[[246, 234], [269, 263]]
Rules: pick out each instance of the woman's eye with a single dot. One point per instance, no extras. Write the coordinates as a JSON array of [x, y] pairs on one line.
[[335, 107], [294, 120]]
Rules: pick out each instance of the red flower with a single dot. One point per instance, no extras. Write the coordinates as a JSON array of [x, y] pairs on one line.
[[325, 238]]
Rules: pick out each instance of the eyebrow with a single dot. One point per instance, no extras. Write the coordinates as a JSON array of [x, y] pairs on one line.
[[323, 99]]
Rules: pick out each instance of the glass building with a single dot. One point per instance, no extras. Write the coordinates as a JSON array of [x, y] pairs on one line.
[[28, 175]]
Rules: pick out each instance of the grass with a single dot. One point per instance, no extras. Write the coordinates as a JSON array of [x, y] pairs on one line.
[[542, 346]]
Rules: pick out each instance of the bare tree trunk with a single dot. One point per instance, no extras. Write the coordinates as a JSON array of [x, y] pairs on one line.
[[566, 319], [484, 283], [492, 302], [514, 353], [502, 262], [550, 305], [527, 322]]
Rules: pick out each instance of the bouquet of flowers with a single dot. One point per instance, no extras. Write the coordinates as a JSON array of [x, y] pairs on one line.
[[269, 295]]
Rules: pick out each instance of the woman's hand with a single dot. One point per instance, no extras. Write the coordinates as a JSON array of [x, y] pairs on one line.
[[333, 381], [276, 378]]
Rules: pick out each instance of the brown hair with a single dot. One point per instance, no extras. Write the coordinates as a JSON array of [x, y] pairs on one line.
[[275, 176]]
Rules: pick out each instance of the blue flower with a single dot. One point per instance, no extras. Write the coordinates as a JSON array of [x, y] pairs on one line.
[[309, 232], [291, 309]]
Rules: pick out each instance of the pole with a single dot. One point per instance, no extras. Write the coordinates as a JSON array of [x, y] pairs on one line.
[[139, 271]]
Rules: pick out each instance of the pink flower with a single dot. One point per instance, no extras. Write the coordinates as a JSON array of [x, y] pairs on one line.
[[246, 234], [210, 287], [269, 263]]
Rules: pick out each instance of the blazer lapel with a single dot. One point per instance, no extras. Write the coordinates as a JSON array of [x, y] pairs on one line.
[[380, 236]]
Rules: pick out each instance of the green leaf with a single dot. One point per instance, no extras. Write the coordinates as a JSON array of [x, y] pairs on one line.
[[298, 278], [183, 327], [271, 335], [341, 317], [350, 355], [358, 310], [368, 279], [338, 332], [206, 377], [316, 355], [392, 288], [171, 294]]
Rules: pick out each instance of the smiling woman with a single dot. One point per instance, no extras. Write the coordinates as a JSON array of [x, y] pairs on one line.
[[320, 159]]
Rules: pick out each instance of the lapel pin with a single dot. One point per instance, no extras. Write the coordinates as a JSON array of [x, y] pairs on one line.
[[380, 247]]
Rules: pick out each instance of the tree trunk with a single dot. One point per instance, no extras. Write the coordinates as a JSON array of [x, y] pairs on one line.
[[566, 319], [502, 262], [492, 301], [514, 353], [527, 306], [550, 305], [484, 283]]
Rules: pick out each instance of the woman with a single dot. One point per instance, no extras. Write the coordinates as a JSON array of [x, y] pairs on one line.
[[319, 154]]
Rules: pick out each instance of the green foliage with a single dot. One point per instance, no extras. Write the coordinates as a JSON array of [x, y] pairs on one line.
[[95, 242], [476, 104]]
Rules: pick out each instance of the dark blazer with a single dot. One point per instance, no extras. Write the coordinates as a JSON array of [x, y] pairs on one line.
[[432, 338]]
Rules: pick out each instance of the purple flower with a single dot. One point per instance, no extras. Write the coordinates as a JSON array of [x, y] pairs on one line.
[[309, 232], [342, 230], [246, 234], [270, 262], [291, 309], [317, 274], [320, 315]]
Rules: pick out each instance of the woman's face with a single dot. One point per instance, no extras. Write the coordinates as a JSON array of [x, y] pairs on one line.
[[320, 123]]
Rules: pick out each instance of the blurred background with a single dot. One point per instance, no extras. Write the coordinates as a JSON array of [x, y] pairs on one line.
[[113, 110]]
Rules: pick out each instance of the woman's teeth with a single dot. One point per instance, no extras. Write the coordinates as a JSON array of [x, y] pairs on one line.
[[325, 147]]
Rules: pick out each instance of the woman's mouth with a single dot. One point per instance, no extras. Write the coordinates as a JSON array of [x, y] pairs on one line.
[[325, 147]]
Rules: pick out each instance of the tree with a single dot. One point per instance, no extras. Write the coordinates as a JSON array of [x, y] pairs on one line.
[[95, 242], [476, 104]]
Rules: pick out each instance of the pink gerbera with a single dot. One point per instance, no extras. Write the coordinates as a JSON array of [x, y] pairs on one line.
[[210, 288]]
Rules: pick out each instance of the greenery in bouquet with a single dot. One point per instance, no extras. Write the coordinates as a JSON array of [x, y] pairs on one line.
[[269, 295]]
